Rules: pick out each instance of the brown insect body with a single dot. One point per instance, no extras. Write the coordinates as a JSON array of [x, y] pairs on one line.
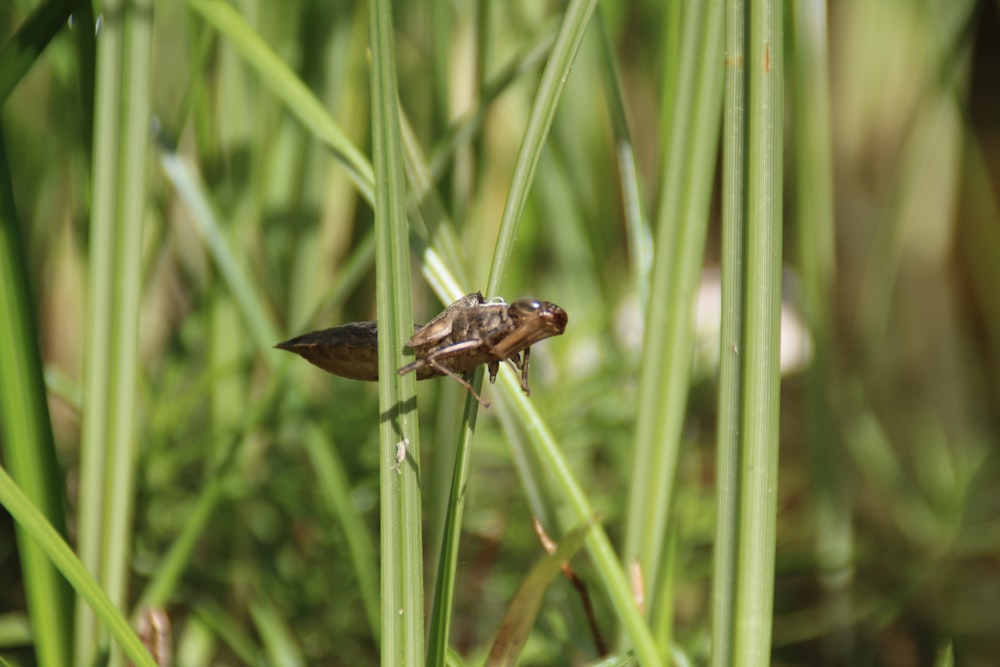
[[469, 332]]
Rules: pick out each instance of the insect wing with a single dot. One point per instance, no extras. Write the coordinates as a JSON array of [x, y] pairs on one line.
[[440, 327]]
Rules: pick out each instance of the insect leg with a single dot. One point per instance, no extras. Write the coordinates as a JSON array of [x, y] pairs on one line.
[[433, 363], [517, 360], [524, 371]]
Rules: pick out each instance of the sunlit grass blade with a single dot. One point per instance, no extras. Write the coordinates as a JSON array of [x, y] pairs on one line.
[[96, 430]]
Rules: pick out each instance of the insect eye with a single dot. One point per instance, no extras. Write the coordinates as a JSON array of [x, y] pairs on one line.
[[526, 305]]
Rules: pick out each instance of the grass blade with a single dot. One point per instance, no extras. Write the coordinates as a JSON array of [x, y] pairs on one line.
[[751, 302], [402, 569], [26, 433]]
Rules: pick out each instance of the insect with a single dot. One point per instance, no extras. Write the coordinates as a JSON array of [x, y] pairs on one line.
[[469, 332]]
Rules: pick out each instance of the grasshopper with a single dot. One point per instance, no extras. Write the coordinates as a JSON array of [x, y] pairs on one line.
[[469, 332]]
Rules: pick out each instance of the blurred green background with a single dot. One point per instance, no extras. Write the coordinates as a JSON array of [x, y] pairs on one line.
[[888, 534]]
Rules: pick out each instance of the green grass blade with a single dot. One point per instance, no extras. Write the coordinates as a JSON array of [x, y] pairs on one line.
[[401, 517], [95, 448], [26, 433], [41, 531], [730, 366], [751, 301], [690, 144], [128, 280]]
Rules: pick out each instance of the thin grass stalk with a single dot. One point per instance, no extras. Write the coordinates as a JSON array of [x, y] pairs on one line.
[[690, 145], [749, 375], [731, 328], [96, 428], [554, 76], [26, 434], [814, 221], [402, 569], [127, 292], [485, 37]]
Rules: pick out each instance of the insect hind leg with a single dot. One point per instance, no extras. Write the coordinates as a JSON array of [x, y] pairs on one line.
[[457, 378]]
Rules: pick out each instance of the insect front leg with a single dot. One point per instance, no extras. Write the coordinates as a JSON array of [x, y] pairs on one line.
[[520, 362], [524, 371]]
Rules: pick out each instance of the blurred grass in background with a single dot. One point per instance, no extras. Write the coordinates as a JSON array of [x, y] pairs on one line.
[[257, 476]]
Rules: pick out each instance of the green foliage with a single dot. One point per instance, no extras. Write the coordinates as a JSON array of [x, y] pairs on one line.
[[244, 491]]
